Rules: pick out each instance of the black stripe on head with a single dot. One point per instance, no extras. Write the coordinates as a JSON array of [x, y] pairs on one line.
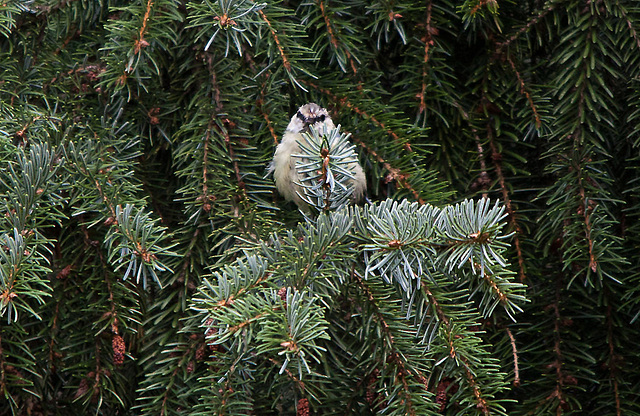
[[315, 119], [301, 117]]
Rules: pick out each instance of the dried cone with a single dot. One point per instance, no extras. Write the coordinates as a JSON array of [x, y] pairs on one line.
[[83, 388], [303, 408], [201, 352], [443, 393], [117, 343], [371, 395]]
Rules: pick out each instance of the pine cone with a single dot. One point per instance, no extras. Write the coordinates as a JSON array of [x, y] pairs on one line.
[[118, 345]]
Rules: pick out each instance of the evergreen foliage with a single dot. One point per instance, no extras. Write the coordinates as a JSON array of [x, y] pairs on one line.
[[148, 267]]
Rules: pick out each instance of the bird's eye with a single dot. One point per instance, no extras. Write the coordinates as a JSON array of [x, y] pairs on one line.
[[321, 118]]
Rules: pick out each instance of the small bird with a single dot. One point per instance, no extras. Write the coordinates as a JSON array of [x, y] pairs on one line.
[[284, 166]]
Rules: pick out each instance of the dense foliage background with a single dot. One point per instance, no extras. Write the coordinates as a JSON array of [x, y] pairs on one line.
[[134, 137]]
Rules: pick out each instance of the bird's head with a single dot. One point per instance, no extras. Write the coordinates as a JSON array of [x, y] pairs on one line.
[[310, 114]]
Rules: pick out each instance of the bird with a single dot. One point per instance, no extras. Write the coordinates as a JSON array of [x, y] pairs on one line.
[[283, 165]]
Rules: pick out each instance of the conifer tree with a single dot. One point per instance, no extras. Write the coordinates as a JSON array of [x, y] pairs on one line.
[[149, 267]]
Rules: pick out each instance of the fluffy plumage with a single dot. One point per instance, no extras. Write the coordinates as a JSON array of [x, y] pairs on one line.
[[284, 166]]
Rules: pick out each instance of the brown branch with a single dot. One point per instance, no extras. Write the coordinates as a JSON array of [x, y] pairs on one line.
[[90, 72], [141, 42], [502, 297], [586, 206], [187, 256], [433, 301], [232, 156], [525, 28], [394, 173], [428, 42], [103, 195], [496, 157], [260, 107], [557, 343], [523, 90], [165, 396], [205, 198], [229, 301], [21, 134], [205, 157], [138, 44], [260, 100], [246, 322], [483, 179], [481, 403], [113, 314], [516, 368], [66, 41], [480, 5], [333, 39], [285, 60], [586, 209], [634, 34], [557, 393], [54, 328], [224, 130], [98, 369], [395, 357], [171, 382], [105, 198], [105, 268]]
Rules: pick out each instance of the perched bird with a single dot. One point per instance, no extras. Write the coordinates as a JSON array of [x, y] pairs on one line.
[[284, 166]]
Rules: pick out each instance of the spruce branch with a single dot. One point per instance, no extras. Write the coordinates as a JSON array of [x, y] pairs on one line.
[[28, 185], [458, 353], [326, 166], [233, 18], [137, 243], [335, 37], [523, 90], [290, 51], [9, 11], [630, 24], [138, 34], [394, 307], [394, 173], [244, 299], [386, 19], [525, 29], [401, 367], [334, 41], [560, 376]]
